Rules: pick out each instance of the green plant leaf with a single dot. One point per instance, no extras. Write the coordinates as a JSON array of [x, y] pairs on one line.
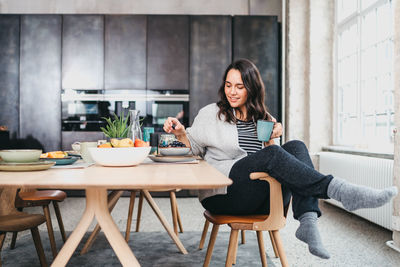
[[117, 127]]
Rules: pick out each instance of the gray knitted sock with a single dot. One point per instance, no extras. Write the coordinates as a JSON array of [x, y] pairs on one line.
[[308, 233], [354, 196]]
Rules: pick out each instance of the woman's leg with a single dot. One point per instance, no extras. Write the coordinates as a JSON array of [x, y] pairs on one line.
[[304, 180], [291, 172], [305, 208], [301, 204]]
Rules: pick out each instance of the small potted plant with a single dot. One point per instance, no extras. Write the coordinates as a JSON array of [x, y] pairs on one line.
[[117, 130]]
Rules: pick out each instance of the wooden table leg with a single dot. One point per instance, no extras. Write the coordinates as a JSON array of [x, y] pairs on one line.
[[96, 206], [110, 229], [130, 214], [139, 211], [113, 198], [164, 222]]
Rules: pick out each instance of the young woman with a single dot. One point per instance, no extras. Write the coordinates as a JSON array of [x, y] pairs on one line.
[[224, 134]]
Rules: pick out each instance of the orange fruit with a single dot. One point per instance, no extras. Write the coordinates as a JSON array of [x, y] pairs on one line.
[[105, 145], [140, 143], [56, 154]]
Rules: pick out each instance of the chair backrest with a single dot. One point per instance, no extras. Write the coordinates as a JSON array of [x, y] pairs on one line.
[[276, 219], [7, 199]]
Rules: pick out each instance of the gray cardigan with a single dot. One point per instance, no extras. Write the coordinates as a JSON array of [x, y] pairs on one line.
[[216, 141]]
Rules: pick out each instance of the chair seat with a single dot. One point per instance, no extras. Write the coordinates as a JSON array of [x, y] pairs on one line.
[[226, 219], [20, 221], [39, 195]]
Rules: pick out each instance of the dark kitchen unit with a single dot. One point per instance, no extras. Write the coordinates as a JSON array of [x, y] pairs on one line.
[[257, 38], [210, 54], [9, 73], [40, 79]]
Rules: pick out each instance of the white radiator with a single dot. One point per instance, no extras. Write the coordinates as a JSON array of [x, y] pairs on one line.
[[369, 171]]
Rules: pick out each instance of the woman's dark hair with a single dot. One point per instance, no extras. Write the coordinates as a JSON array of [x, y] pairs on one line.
[[256, 109]]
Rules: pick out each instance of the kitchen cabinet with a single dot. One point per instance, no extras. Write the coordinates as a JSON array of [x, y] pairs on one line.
[[125, 52], [40, 79], [83, 52], [257, 39], [168, 52], [210, 54], [9, 72]]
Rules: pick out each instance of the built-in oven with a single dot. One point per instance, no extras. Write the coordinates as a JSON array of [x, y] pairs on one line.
[[163, 104], [86, 110]]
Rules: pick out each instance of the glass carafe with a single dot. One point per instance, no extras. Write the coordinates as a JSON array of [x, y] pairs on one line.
[[134, 127]]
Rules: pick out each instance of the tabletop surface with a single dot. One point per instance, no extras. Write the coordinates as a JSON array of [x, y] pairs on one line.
[[143, 176]]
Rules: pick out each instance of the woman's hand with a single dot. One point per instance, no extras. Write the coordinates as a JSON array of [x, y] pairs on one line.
[[277, 130], [269, 143], [172, 125]]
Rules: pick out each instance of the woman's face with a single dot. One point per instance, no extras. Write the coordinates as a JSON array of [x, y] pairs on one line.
[[235, 91]]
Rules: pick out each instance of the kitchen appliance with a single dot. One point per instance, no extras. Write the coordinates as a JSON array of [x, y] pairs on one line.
[[85, 110]]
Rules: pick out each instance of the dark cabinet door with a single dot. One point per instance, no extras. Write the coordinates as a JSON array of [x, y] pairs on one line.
[[9, 73], [210, 54], [83, 52], [168, 52], [125, 52], [257, 39], [40, 82]]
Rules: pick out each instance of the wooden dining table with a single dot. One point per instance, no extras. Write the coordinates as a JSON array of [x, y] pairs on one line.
[[96, 180]]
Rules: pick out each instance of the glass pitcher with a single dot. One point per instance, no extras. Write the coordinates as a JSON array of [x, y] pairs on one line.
[[134, 127]]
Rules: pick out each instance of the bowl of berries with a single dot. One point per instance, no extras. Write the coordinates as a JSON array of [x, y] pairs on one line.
[[170, 146]]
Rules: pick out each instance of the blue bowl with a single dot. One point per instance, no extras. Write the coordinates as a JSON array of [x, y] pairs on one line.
[[63, 161]]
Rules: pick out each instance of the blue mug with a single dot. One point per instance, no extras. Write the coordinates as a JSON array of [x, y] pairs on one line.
[[264, 130]]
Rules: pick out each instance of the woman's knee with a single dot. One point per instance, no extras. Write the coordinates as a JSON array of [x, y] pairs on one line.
[[295, 145], [272, 148]]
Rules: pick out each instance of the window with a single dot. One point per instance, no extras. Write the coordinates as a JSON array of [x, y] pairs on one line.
[[364, 97]]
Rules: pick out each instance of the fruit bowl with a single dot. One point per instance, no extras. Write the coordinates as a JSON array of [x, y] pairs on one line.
[[119, 156]]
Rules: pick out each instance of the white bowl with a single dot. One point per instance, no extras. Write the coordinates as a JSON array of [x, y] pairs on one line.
[[20, 155], [174, 151], [119, 156]]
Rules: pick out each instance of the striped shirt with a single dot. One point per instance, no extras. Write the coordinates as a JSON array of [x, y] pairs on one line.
[[248, 136]]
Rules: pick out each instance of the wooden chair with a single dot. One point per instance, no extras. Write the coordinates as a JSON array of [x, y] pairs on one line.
[[273, 222], [12, 220], [33, 198]]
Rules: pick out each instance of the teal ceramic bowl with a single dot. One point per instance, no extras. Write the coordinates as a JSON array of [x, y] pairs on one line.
[[20, 155], [63, 161]]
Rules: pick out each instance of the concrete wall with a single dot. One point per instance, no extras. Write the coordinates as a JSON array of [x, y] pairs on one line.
[[216, 7], [297, 63], [309, 72]]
